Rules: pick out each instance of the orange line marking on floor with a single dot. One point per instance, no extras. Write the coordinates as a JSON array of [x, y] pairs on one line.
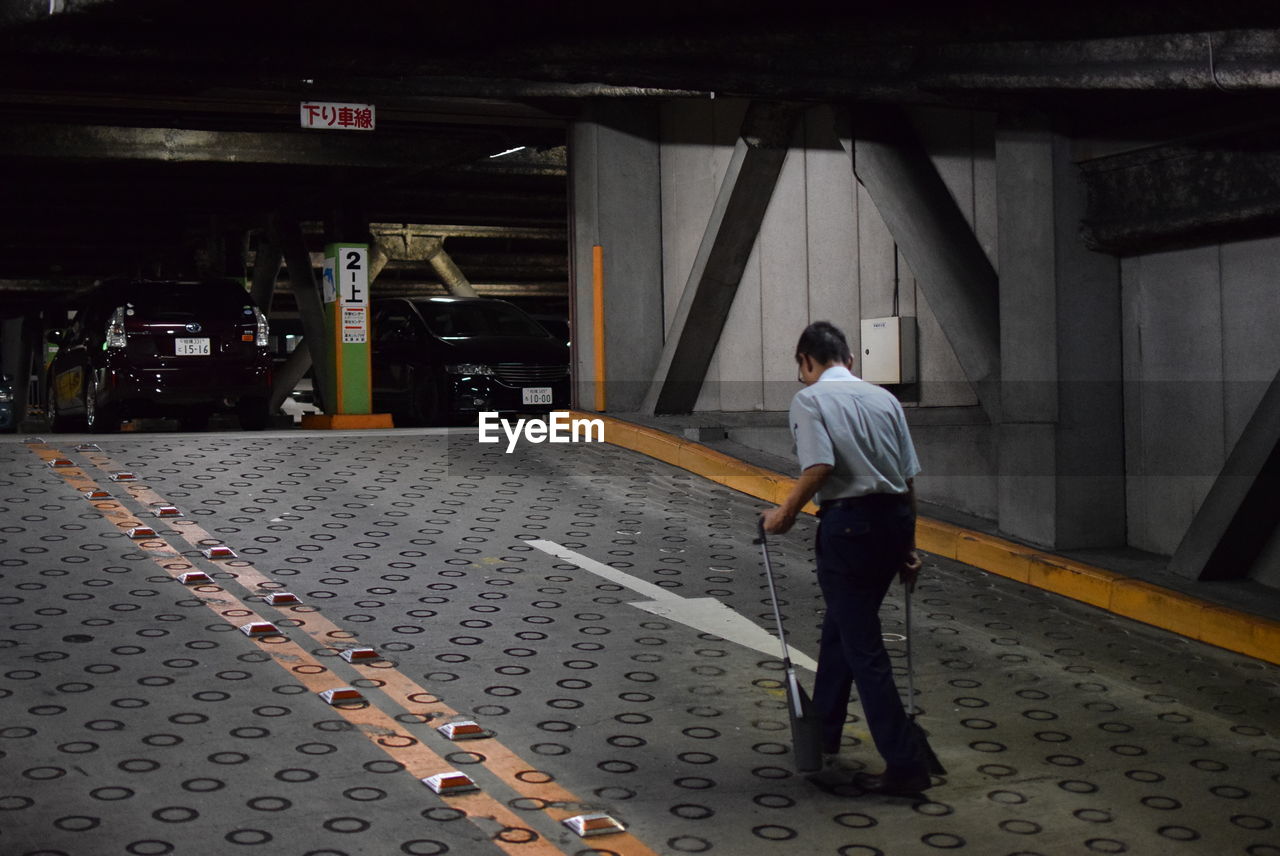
[[498, 759]]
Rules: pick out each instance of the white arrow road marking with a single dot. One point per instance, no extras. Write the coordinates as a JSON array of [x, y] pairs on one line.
[[705, 614]]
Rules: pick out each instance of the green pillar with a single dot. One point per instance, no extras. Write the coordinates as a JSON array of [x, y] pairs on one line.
[[346, 297]]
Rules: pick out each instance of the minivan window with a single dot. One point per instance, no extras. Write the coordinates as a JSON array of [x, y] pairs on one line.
[[466, 320]]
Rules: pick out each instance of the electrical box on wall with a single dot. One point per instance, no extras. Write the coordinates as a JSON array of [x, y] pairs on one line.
[[889, 350]]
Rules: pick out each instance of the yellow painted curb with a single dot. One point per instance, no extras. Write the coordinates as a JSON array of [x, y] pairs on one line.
[[1227, 628], [1071, 579], [993, 554]]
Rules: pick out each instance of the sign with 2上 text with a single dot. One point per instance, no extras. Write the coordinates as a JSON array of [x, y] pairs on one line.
[[338, 116], [353, 291]]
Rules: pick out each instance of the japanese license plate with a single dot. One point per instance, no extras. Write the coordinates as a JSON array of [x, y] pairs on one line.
[[535, 395], [191, 347]]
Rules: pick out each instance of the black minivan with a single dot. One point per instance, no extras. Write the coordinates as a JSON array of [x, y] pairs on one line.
[[440, 360], [161, 348]]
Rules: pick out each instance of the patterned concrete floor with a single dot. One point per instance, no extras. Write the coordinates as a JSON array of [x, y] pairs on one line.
[[135, 719]]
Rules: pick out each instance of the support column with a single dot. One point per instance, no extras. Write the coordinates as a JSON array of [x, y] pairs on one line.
[[722, 256], [287, 234], [15, 361], [936, 241], [266, 267], [617, 205], [1061, 440], [1235, 529]]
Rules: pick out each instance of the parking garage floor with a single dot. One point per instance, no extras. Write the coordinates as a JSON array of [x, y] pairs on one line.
[[597, 614]]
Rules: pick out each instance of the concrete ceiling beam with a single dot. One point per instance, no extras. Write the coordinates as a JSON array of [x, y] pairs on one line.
[[45, 141], [1184, 194]]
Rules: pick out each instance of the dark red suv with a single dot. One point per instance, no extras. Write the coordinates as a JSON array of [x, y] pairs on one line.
[[177, 349]]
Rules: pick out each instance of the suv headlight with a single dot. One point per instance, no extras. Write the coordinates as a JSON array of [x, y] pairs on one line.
[[469, 369]]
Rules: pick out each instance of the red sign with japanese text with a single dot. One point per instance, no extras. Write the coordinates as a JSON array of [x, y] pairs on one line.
[[337, 116]]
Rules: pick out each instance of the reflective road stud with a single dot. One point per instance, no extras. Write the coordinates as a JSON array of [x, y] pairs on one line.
[[587, 825], [191, 578], [463, 730], [139, 532], [282, 598], [96, 494], [260, 628], [88, 447], [168, 511], [59, 463], [355, 655], [341, 695], [452, 782], [123, 477], [218, 552]]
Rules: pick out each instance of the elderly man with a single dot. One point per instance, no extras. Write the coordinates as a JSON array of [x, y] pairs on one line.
[[857, 458]]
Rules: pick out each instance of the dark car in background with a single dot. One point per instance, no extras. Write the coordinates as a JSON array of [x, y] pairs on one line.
[[444, 359], [8, 407], [141, 348]]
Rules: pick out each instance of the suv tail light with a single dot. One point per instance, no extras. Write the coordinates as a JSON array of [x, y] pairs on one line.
[[262, 338], [115, 330]]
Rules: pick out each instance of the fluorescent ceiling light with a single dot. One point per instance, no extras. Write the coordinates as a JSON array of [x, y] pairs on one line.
[[509, 152]]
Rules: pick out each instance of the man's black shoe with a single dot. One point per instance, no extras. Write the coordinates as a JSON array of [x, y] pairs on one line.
[[892, 784]]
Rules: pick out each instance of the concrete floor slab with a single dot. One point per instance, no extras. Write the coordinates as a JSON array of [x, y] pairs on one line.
[[134, 718]]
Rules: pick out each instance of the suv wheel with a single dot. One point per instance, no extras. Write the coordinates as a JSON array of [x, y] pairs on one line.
[[57, 422]]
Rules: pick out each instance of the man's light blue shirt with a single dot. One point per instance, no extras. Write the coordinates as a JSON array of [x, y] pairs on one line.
[[857, 428]]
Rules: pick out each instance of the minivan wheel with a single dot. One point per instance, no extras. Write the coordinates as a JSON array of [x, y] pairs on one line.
[[99, 419]]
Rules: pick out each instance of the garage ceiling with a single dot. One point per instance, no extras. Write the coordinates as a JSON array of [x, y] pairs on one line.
[[137, 135]]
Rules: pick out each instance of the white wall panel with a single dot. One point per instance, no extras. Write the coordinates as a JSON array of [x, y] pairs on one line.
[[784, 276], [688, 193], [1250, 321], [1174, 392], [831, 201]]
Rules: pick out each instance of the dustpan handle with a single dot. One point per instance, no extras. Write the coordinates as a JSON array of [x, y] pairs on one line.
[[763, 541], [911, 683]]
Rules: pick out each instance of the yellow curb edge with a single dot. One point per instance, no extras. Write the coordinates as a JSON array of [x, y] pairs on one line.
[[1252, 635]]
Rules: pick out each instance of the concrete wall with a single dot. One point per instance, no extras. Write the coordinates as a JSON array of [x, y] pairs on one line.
[[1190, 334], [616, 189], [1199, 350], [823, 252]]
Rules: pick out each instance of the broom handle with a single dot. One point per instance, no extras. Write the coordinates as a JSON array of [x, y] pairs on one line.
[[773, 594]]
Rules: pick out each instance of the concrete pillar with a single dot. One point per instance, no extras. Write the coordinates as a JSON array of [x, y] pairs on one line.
[[1061, 440], [287, 234], [616, 203], [15, 361]]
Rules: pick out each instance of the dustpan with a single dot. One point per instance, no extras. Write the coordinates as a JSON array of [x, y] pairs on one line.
[[806, 732]]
